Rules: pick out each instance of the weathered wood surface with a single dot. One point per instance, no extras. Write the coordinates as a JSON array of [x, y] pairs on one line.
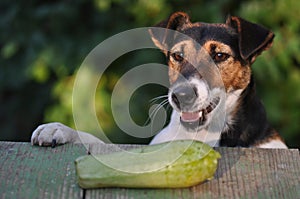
[[40, 172]]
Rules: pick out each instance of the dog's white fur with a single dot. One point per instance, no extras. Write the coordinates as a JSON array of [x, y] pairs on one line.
[[45, 133], [273, 144], [63, 134], [175, 131]]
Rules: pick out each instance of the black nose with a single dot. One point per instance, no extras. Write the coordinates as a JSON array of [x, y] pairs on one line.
[[184, 96]]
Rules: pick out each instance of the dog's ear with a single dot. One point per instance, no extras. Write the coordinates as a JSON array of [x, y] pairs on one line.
[[253, 38], [177, 21]]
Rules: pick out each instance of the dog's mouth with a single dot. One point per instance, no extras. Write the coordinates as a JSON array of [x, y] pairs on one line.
[[192, 120]]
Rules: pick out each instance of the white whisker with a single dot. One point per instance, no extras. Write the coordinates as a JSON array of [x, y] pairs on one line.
[[154, 112], [157, 98], [156, 109]]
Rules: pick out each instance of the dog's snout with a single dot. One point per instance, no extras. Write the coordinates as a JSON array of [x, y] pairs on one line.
[[184, 95]]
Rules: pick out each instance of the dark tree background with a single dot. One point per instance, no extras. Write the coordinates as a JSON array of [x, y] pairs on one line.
[[43, 43]]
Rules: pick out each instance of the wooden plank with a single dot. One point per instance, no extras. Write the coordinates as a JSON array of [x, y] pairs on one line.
[[41, 172], [38, 172], [254, 173], [242, 173]]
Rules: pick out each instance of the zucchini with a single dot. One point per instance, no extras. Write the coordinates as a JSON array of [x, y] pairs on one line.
[[174, 164]]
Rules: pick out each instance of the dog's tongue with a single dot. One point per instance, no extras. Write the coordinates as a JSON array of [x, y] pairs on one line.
[[190, 117]]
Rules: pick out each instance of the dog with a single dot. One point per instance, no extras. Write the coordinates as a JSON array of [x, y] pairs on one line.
[[198, 95]]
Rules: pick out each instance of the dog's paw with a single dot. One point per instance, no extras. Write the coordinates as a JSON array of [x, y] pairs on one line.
[[52, 134]]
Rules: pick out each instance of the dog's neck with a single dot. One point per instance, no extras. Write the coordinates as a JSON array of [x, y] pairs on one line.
[[248, 122]]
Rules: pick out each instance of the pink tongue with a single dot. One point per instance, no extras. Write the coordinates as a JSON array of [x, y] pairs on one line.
[[189, 117]]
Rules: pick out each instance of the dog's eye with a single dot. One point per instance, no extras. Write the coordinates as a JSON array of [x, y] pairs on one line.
[[219, 57], [178, 56]]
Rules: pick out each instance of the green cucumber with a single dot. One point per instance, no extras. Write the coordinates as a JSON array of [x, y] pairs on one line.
[[174, 164]]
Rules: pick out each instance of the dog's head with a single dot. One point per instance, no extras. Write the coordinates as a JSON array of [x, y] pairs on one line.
[[195, 50]]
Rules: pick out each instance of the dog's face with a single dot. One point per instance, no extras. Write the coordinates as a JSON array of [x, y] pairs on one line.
[[206, 60]]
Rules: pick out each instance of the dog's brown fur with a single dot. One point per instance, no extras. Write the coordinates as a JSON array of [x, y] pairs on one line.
[[233, 47]]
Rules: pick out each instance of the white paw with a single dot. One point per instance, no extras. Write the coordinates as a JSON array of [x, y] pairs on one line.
[[52, 134]]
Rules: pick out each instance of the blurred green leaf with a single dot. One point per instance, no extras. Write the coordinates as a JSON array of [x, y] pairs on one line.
[[9, 50], [43, 43]]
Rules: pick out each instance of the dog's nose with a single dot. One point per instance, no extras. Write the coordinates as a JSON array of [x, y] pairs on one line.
[[184, 96]]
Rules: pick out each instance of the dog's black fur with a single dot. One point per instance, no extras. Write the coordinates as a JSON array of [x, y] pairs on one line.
[[250, 126], [232, 47]]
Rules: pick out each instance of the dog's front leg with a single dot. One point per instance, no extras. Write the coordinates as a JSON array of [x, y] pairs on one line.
[[56, 133]]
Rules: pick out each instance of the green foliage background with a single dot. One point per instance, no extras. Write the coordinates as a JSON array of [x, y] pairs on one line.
[[43, 43]]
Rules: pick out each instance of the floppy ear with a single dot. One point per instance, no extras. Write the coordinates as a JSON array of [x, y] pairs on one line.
[[253, 38], [177, 21]]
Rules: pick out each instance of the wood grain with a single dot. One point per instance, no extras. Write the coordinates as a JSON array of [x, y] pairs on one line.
[[39, 172], [242, 173]]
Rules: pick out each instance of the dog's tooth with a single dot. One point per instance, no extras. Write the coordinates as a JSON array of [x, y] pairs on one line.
[[200, 114]]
